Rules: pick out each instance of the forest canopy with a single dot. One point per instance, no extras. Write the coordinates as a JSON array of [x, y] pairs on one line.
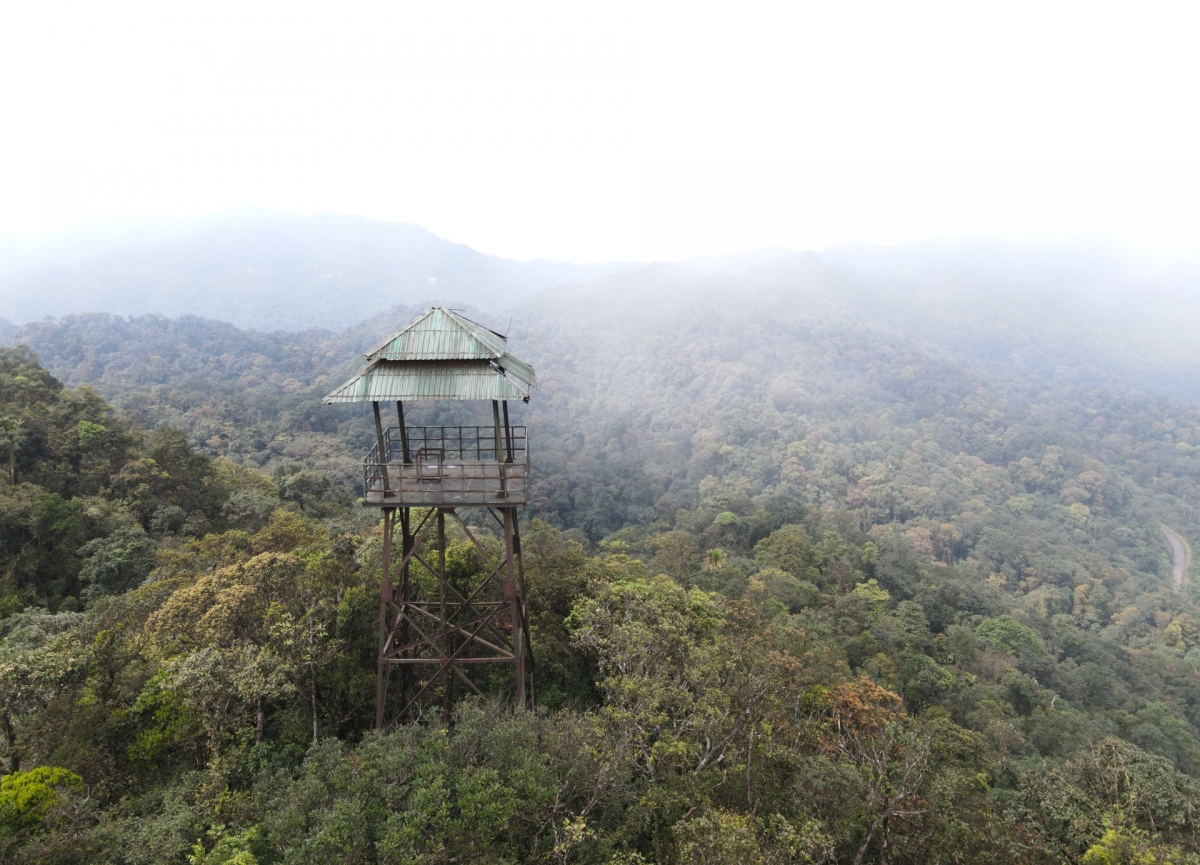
[[801, 589]]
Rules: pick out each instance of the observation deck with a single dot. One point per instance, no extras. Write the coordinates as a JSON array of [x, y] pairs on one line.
[[448, 466]]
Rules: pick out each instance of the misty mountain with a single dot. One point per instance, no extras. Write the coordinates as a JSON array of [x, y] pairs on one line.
[[74, 244], [277, 271], [1055, 313], [1052, 316], [1038, 308]]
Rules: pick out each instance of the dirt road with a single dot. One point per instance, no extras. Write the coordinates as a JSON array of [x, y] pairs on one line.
[[1180, 557]]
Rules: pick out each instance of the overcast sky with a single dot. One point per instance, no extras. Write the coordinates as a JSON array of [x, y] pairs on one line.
[[613, 130]]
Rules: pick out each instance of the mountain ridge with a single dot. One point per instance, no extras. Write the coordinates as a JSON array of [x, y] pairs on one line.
[[281, 272]]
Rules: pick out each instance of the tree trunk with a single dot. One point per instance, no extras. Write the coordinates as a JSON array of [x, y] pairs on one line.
[[314, 703], [14, 758], [259, 720], [312, 679]]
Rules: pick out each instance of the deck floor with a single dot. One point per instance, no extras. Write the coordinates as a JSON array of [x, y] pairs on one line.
[[466, 482]]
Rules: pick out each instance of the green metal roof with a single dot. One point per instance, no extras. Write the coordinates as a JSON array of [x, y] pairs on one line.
[[440, 334], [440, 355], [389, 381]]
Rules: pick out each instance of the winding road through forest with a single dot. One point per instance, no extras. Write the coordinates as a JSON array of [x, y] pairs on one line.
[[1180, 556]]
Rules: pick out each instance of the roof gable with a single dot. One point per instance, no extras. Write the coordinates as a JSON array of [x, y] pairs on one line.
[[440, 334], [439, 355]]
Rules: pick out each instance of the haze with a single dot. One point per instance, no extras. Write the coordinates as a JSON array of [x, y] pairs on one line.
[[615, 131]]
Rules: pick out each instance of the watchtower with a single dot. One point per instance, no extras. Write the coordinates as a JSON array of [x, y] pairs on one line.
[[420, 476]]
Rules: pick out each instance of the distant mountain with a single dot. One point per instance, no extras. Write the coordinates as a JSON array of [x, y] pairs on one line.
[[1058, 315], [1051, 311], [72, 245], [1055, 312], [272, 271]]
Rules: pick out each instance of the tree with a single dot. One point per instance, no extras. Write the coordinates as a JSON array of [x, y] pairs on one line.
[[791, 550], [40, 657], [12, 438], [234, 650], [897, 767], [1109, 785], [300, 485], [675, 553], [29, 800], [717, 837], [117, 562]]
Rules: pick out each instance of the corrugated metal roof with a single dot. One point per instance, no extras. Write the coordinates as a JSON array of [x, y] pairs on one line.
[[388, 381], [439, 355], [440, 334], [519, 368]]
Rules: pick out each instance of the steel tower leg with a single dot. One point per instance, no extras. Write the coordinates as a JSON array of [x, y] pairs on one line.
[[385, 619], [511, 595], [462, 630], [402, 597]]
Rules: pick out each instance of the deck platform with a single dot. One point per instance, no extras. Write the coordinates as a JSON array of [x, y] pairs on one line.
[[448, 467]]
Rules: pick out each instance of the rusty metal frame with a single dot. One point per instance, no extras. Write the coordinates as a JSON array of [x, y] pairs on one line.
[[469, 474], [429, 644]]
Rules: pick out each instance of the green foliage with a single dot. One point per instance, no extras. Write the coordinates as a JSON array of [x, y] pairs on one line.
[[423, 794], [1009, 635], [118, 562], [227, 848], [849, 603], [88, 495], [1133, 847], [790, 550], [29, 799], [718, 837]]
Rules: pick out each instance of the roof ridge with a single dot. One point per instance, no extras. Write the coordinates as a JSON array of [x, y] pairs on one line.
[[441, 332], [440, 338], [380, 346], [474, 327]]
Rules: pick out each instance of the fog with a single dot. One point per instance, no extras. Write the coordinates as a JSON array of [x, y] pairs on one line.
[[1047, 315], [616, 131], [1015, 188]]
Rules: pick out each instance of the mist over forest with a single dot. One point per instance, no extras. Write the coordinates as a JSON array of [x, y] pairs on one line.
[[1038, 308], [858, 555]]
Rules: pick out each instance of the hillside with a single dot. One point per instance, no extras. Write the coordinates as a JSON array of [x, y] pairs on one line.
[[814, 577], [747, 364]]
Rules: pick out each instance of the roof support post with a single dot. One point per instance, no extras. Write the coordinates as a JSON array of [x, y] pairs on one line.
[[496, 418], [403, 431], [382, 449], [507, 434], [500, 459]]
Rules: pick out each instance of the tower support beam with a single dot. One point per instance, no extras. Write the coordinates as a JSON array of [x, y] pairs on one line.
[[442, 629]]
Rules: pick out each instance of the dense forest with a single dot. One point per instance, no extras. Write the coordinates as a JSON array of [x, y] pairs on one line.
[[807, 585]]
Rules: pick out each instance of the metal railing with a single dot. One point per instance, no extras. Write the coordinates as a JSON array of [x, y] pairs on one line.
[[448, 465]]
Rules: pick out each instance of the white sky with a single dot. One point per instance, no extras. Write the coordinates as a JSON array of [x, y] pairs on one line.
[[613, 130]]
